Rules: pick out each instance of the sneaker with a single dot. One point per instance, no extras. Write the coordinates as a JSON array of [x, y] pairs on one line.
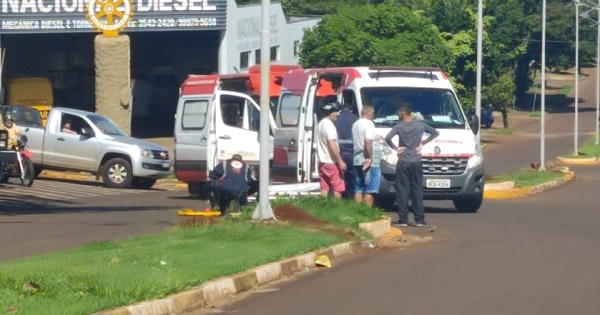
[[421, 223], [399, 224]]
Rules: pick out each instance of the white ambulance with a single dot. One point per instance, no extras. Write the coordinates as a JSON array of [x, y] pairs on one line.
[[452, 163], [218, 116]]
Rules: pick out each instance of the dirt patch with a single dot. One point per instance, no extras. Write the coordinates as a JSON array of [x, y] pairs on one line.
[[285, 214], [295, 214], [292, 213]]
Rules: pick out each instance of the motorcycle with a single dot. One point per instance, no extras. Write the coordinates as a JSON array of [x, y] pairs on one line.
[[15, 160]]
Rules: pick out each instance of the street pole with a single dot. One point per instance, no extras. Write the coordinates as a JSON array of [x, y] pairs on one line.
[[479, 65], [576, 136], [598, 77], [543, 93], [263, 210]]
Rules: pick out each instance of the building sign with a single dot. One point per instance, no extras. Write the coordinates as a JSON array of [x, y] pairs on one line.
[[38, 16]]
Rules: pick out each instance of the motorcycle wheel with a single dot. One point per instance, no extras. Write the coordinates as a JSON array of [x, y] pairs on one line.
[[28, 173]]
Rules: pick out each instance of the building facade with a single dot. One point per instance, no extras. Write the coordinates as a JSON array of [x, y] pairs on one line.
[[170, 39]]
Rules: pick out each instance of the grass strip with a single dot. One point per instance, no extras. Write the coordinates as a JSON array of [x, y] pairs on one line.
[[526, 177], [111, 274], [587, 150]]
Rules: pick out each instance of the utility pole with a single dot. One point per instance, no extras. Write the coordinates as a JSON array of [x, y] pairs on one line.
[[263, 210], [575, 133], [479, 65], [543, 94], [586, 15]]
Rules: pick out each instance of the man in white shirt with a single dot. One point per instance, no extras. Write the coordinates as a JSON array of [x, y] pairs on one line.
[[366, 157], [331, 164]]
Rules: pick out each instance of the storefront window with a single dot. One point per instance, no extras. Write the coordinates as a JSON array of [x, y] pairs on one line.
[[245, 60], [274, 53], [296, 48], [257, 57]]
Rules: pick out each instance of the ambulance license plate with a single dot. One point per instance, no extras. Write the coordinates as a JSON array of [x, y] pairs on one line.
[[437, 183]]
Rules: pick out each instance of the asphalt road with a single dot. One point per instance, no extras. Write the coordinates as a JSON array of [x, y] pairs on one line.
[[532, 255], [60, 214]]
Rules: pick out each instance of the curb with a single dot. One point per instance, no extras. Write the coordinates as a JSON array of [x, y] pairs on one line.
[[528, 190], [67, 175], [88, 177], [222, 288], [576, 161]]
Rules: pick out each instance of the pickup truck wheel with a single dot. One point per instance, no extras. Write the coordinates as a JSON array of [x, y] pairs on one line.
[[37, 171], [116, 173], [470, 205], [143, 183]]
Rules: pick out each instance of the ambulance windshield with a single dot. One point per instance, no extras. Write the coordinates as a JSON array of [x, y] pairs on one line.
[[437, 107]]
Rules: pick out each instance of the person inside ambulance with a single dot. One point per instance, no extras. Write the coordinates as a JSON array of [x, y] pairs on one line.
[[231, 181]]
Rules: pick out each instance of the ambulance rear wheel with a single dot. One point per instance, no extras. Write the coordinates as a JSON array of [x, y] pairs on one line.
[[194, 189]]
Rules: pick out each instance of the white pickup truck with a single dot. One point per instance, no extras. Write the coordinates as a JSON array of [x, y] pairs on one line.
[[93, 144]]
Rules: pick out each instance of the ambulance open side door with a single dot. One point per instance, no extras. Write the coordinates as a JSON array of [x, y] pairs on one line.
[[307, 161], [234, 129]]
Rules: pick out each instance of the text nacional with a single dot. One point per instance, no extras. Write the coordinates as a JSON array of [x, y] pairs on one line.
[[71, 6]]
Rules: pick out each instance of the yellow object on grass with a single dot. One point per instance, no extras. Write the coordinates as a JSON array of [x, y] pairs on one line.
[[199, 213], [323, 261]]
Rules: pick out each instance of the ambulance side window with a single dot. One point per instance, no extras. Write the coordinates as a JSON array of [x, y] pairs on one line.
[[349, 98], [253, 117], [232, 111], [194, 114], [289, 110]]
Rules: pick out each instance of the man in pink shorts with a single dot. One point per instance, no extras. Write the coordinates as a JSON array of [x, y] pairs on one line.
[[331, 164]]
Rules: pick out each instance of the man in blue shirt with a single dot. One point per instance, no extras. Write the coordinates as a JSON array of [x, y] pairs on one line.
[[343, 124], [230, 181]]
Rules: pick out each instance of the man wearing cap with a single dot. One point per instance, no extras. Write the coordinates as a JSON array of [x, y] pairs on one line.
[[230, 181], [331, 164]]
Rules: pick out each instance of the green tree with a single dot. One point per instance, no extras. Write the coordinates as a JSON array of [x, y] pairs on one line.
[[498, 95], [384, 34]]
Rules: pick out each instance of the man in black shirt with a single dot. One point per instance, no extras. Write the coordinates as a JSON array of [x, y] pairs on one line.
[[343, 124], [409, 173]]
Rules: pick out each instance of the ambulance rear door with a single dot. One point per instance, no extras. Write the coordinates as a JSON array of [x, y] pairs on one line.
[[235, 128], [307, 162]]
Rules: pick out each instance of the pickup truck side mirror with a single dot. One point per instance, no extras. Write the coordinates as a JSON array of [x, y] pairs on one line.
[[87, 132], [473, 122]]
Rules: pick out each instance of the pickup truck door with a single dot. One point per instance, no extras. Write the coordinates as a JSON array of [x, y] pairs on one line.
[[75, 151], [307, 160], [234, 128]]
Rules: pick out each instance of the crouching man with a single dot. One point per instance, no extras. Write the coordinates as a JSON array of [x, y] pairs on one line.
[[230, 181]]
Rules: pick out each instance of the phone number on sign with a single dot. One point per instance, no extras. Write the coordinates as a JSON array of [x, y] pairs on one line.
[[179, 22]]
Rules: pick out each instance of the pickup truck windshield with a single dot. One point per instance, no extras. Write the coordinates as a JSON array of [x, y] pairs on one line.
[[23, 115], [438, 107], [106, 125]]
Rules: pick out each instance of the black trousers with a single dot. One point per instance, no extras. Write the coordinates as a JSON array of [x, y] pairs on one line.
[[409, 184], [224, 197], [349, 176]]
